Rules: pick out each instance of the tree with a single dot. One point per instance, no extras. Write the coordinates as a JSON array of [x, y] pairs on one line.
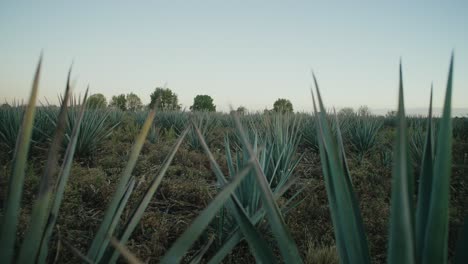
[[203, 103], [96, 101], [283, 106], [119, 102], [133, 102], [346, 112], [165, 99], [241, 110], [364, 111]]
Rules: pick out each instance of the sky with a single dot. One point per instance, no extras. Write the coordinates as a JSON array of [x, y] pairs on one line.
[[247, 53]]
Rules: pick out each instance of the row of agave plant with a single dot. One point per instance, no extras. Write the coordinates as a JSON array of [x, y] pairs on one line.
[[95, 127], [360, 132], [260, 158]]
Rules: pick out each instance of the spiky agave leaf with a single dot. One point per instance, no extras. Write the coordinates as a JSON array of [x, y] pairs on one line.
[[128, 255], [425, 185], [62, 180], [260, 249], [185, 241], [285, 241], [401, 247], [436, 238], [344, 208], [39, 216], [101, 240], [137, 213], [16, 182]]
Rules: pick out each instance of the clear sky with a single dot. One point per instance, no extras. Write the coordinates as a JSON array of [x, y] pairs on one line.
[[240, 52]]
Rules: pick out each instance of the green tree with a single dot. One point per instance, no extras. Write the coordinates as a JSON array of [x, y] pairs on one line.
[[203, 103], [133, 102], [283, 106], [119, 101], [96, 101], [165, 99]]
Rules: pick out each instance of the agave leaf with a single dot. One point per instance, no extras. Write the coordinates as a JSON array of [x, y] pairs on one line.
[[137, 214], [259, 246], [118, 213], [436, 238], [61, 183], [185, 241], [237, 235], [285, 241], [101, 235], [425, 185], [227, 247], [128, 255], [76, 251], [357, 213], [62, 180], [15, 185], [31, 244], [401, 247], [346, 217], [199, 256]]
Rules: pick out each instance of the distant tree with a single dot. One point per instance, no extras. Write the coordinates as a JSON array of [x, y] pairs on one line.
[[96, 101], [119, 101], [364, 111], [346, 111], [165, 99], [283, 106], [241, 110], [203, 103], [133, 102]]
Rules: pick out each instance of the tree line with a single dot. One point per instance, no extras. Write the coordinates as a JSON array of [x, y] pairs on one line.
[[166, 100]]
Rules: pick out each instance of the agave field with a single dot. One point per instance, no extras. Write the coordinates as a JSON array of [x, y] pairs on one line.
[[105, 186]]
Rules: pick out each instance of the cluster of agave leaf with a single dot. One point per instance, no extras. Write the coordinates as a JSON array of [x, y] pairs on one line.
[[257, 178], [418, 230], [97, 125]]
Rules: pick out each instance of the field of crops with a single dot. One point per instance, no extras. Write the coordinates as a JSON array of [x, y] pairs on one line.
[[210, 187]]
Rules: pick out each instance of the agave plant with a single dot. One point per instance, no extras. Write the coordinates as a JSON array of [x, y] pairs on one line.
[[174, 120], [115, 116], [226, 197], [98, 251], [94, 128], [206, 124], [282, 141], [362, 134], [9, 127], [34, 247], [43, 126], [139, 117], [248, 196], [309, 132], [417, 234]]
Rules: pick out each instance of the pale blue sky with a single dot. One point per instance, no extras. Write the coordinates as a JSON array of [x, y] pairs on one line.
[[239, 52]]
